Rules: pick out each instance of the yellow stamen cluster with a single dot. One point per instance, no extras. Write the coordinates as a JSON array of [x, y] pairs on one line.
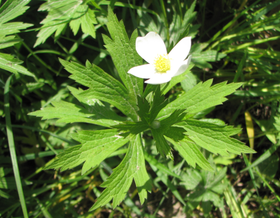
[[162, 63]]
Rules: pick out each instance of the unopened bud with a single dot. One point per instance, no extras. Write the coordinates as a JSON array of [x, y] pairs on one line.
[[155, 124]]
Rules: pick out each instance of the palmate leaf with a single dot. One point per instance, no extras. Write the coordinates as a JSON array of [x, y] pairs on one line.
[[86, 21], [124, 55], [102, 86], [199, 98], [93, 111], [188, 149], [214, 138], [6, 39], [62, 12], [101, 111], [187, 136], [131, 167], [10, 10], [94, 148], [67, 112]]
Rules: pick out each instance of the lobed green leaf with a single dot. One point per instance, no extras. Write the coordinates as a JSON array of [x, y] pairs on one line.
[[124, 55], [102, 86], [214, 138], [94, 148], [8, 11], [189, 151], [141, 177], [67, 112], [12, 9], [62, 12], [102, 112], [120, 180], [199, 98], [8, 29]]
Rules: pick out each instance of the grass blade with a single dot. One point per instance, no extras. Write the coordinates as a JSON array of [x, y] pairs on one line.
[[12, 147], [265, 212]]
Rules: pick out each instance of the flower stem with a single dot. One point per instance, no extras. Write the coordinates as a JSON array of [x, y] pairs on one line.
[[165, 19]]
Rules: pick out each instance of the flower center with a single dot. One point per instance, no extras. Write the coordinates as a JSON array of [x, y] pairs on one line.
[[162, 63]]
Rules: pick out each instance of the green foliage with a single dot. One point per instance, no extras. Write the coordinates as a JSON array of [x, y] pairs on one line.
[[201, 58], [95, 145], [206, 187], [189, 151], [109, 130], [8, 11], [94, 111], [132, 166], [214, 138], [104, 87], [11, 64], [122, 51], [201, 97], [75, 12]]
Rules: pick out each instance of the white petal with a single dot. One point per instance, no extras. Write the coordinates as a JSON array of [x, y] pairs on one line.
[[159, 78], [150, 46], [181, 49], [183, 66], [145, 71]]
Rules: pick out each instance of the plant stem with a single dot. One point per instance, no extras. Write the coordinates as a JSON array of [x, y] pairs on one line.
[[12, 147]]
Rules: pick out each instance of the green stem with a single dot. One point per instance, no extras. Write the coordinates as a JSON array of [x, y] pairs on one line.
[[180, 10], [251, 173], [165, 19], [39, 59], [12, 147]]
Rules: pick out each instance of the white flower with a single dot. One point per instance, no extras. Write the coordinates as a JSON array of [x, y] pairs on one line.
[[161, 66]]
